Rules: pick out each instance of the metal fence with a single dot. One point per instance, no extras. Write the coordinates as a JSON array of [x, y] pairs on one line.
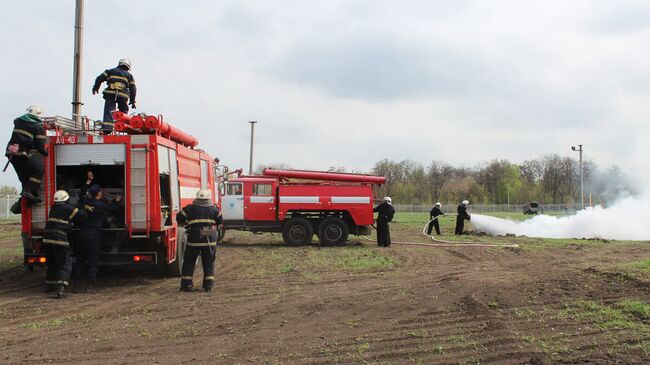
[[489, 208], [5, 203]]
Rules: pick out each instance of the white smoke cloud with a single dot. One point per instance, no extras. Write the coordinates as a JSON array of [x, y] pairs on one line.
[[628, 219]]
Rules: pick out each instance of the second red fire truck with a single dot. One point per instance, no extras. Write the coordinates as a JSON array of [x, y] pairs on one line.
[[301, 204]]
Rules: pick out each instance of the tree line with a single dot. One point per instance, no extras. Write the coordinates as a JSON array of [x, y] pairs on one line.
[[551, 179]]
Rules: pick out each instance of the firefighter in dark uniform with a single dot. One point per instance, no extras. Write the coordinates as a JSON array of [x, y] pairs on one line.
[[385, 213], [56, 242], [201, 218], [435, 212], [87, 249], [462, 217], [25, 151], [119, 90]]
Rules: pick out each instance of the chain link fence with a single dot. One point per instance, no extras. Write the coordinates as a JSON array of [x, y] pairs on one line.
[[490, 208], [5, 203]]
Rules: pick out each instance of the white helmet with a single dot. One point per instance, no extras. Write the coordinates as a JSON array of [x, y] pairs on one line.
[[388, 200], [35, 110], [465, 202], [438, 204], [125, 62], [61, 196], [204, 195]]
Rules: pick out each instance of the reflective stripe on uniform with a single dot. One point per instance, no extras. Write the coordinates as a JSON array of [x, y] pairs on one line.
[[57, 220], [131, 82], [183, 212], [57, 231], [108, 123], [195, 221], [118, 77], [186, 278], [34, 180], [104, 74], [74, 212], [56, 242], [62, 282], [209, 278], [23, 132], [202, 244], [41, 136], [108, 91]]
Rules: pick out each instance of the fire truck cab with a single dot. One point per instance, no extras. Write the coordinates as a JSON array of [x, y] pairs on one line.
[[300, 204], [156, 172]]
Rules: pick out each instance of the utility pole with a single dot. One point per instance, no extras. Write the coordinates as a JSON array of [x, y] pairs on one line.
[[582, 180], [78, 52], [250, 164]]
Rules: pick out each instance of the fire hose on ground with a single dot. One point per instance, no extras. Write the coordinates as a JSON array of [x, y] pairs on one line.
[[443, 243]]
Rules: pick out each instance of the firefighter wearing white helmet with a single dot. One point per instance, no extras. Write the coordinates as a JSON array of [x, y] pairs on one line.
[[56, 242], [462, 217], [120, 91], [25, 150], [385, 213], [201, 219], [433, 218]]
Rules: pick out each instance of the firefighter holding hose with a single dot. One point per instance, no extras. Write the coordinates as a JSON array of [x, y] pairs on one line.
[[120, 88], [462, 217], [201, 218], [385, 213], [25, 150], [56, 242], [433, 214]]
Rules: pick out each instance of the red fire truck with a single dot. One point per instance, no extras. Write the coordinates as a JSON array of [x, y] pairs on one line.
[[155, 167], [300, 204]]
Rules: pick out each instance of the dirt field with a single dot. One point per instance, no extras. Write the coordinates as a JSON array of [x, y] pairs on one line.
[[547, 302]]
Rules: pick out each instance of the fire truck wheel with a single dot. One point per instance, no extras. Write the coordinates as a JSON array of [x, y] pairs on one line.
[[297, 231], [333, 231]]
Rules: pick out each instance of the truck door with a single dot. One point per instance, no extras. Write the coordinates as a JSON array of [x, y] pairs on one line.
[[232, 204], [260, 204]]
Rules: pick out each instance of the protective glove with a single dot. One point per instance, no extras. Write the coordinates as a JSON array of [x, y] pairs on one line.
[[132, 104], [95, 90]]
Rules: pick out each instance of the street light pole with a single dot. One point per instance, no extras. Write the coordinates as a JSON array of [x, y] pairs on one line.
[[582, 180], [250, 164], [78, 54]]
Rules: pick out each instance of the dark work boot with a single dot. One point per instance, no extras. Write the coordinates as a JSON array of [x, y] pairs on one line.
[[187, 289], [91, 287], [60, 293], [208, 289]]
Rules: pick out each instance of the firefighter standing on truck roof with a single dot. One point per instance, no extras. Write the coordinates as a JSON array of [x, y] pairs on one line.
[[385, 213], [56, 242], [202, 218], [461, 217], [435, 212], [87, 251], [25, 151], [120, 87]]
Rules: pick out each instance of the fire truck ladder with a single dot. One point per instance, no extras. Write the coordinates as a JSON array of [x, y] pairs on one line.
[[139, 199]]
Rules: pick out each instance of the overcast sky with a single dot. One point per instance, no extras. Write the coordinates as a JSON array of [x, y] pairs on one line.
[[347, 83]]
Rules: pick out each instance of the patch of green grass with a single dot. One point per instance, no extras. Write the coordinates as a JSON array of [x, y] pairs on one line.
[[418, 333], [637, 309], [310, 262], [55, 322]]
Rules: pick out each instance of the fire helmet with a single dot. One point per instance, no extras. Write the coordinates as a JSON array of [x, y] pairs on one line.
[[465, 202], [438, 204], [204, 195], [388, 200], [61, 196], [125, 62], [35, 110]]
